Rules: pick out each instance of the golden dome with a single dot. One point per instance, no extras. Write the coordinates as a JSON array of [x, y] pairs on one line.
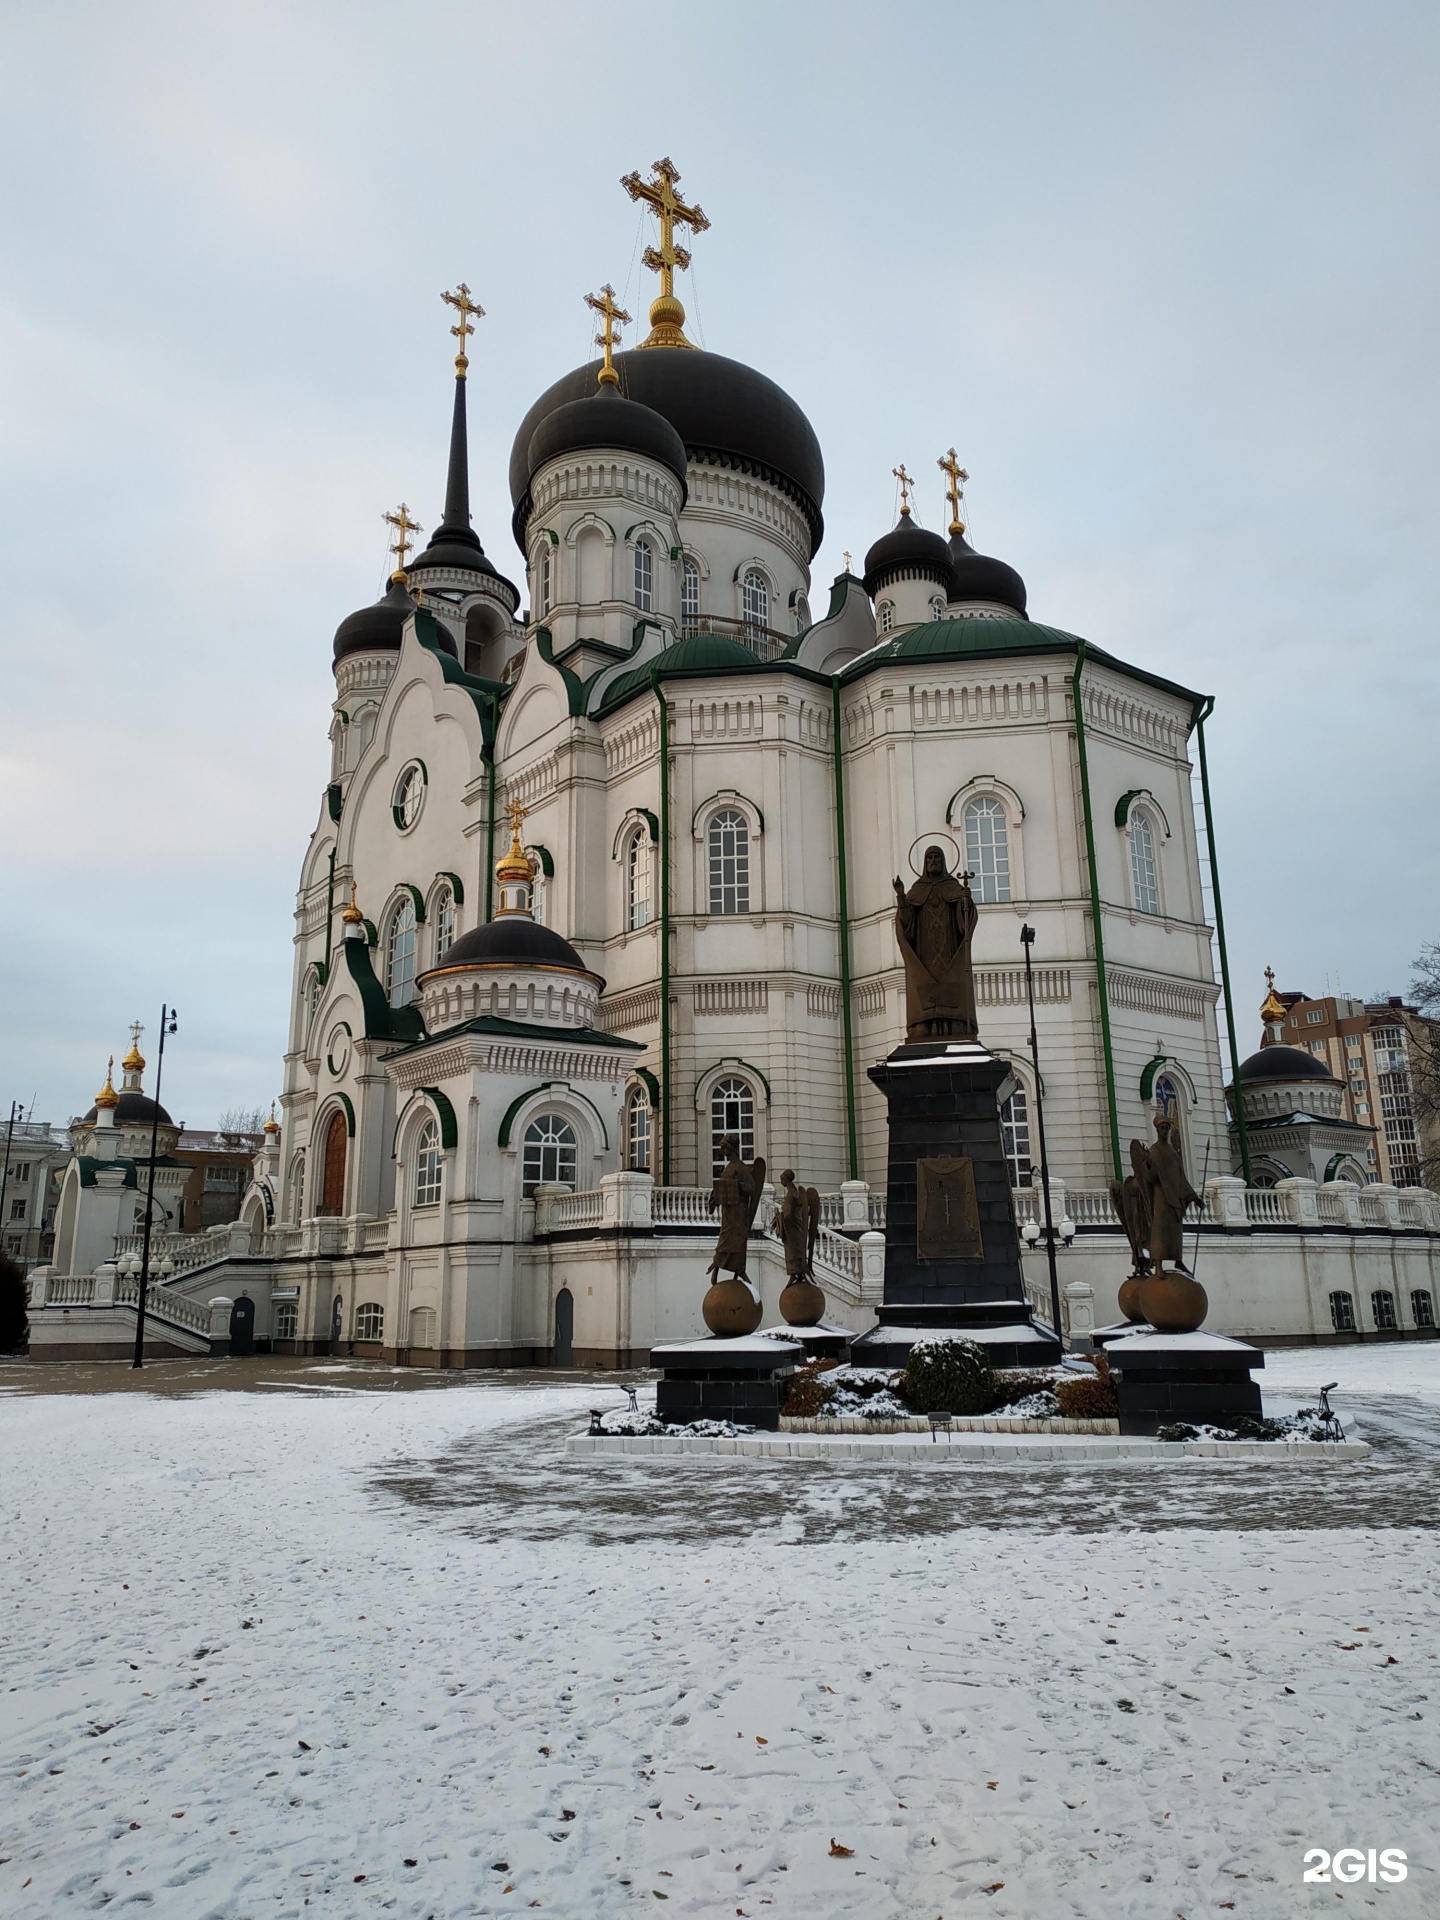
[[1273, 1008], [516, 864], [107, 1096], [352, 916], [134, 1061], [272, 1125]]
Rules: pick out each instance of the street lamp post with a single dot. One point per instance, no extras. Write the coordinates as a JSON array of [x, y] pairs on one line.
[[17, 1112], [167, 1025], [1027, 941]]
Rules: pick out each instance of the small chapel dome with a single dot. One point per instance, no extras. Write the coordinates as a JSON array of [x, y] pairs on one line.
[[378, 628], [131, 1110], [1283, 1063], [978, 577], [906, 551], [512, 941], [605, 419]]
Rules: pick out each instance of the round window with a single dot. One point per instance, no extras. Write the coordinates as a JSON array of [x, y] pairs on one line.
[[409, 796]]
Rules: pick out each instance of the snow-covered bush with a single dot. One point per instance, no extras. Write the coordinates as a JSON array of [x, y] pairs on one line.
[[808, 1392], [1089, 1396], [948, 1376]]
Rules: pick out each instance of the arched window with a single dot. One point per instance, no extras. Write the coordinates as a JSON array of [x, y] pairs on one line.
[[637, 1130], [1015, 1133], [1422, 1307], [544, 582], [887, 616], [1382, 1306], [756, 602], [637, 880], [987, 850], [1142, 863], [1342, 1312], [729, 846], [937, 609], [802, 613], [332, 1187], [400, 955], [287, 1317], [312, 993], [370, 1321], [550, 1153], [732, 1110], [297, 1189], [427, 1166], [689, 596], [364, 729], [444, 918], [644, 574]]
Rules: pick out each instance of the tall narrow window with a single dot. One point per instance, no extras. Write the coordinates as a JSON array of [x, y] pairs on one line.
[[427, 1166], [637, 880], [1015, 1132], [297, 1189], [444, 918], [370, 1321], [1342, 1312], [544, 592], [1142, 864], [550, 1155], [690, 597], [1382, 1305], [729, 843], [644, 574], [637, 1130], [887, 616], [1422, 1306], [802, 613], [332, 1190], [756, 602], [400, 955], [732, 1110], [987, 850]]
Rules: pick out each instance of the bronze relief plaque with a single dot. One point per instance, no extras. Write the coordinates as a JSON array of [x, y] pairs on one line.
[[947, 1213]]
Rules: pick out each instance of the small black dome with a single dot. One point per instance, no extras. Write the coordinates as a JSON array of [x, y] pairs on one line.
[[378, 628], [511, 941], [720, 408], [1283, 1063], [460, 549], [979, 578], [133, 1110], [905, 548], [604, 419]]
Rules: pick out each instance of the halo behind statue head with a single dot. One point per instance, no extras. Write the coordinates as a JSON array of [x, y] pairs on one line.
[[916, 856]]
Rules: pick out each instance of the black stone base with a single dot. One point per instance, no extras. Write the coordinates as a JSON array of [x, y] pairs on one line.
[[822, 1343], [1207, 1385], [1014, 1340], [724, 1380]]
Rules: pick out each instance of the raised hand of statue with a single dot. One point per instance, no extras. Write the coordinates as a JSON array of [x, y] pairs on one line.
[[899, 890]]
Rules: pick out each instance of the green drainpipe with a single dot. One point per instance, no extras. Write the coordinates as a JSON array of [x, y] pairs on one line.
[[1100, 980], [490, 821], [664, 926], [851, 1133], [330, 914], [1241, 1131]]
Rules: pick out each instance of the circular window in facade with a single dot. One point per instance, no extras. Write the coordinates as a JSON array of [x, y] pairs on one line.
[[409, 796]]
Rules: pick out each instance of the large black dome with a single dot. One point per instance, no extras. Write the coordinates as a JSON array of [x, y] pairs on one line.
[[605, 419], [905, 549], [1283, 1063], [132, 1110], [978, 577], [378, 628], [719, 408], [512, 941]]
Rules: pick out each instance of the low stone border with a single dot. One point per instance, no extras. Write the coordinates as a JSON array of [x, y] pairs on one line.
[[958, 1423], [1036, 1449]]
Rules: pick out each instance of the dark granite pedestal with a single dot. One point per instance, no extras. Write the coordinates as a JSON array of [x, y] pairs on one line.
[[821, 1342], [738, 1380], [1200, 1378], [952, 1252]]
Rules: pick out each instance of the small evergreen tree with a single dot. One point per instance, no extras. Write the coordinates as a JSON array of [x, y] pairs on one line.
[[949, 1376], [14, 1325]]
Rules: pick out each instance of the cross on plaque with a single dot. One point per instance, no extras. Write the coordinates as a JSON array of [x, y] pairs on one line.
[[608, 336], [955, 476], [906, 483], [404, 526], [464, 306], [667, 316]]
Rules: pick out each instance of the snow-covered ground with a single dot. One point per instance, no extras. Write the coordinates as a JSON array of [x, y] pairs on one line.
[[329, 1645]]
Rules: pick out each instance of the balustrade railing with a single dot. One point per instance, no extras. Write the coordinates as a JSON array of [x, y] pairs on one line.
[[1264, 1207], [764, 642], [681, 1207], [161, 1305], [1330, 1205], [70, 1290], [1372, 1209], [564, 1212]]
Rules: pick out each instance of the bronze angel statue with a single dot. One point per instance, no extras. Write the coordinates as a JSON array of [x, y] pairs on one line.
[[736, 1197]]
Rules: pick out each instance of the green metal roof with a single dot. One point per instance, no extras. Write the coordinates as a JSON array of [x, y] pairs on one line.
[[521, 1030], [697, 653]]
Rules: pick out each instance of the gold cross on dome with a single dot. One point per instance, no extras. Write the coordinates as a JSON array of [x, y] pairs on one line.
[[1270, 978], [136, 1029], [608, 336], [955, 476], [667, 316], [906, 483], [845, 556], [404, 526], [464, 306], [517, 819]]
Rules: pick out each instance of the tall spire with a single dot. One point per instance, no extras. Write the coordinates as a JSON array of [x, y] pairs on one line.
[[455, 527]]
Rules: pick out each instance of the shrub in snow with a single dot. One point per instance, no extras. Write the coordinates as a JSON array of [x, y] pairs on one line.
[[1033, 1406], [1089, 1396], [948, 1376], [14, 1325], [808, 1392]]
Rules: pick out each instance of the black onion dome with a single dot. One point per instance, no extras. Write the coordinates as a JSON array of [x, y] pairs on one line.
[[720, 408], [604, 419], [512, 941], [132, 1110], [378, 628], [1283, 1063], [977, 577], [459, 548], [907, 548]]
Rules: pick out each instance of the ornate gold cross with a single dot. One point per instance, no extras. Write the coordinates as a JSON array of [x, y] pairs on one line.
[[955, 476], [846, 558], [608, 337], [404, 526], [517, 819], [464, 306], [667, 316], [906, 483]]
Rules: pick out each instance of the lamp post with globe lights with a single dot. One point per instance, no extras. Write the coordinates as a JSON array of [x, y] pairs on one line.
[[167, 1025]]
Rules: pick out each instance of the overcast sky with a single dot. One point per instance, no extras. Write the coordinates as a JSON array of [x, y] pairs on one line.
[[1164, 275]]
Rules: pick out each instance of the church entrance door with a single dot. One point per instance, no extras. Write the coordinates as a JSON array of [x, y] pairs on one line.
[[332, 1190], [563, 1352], [242, 1326]]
